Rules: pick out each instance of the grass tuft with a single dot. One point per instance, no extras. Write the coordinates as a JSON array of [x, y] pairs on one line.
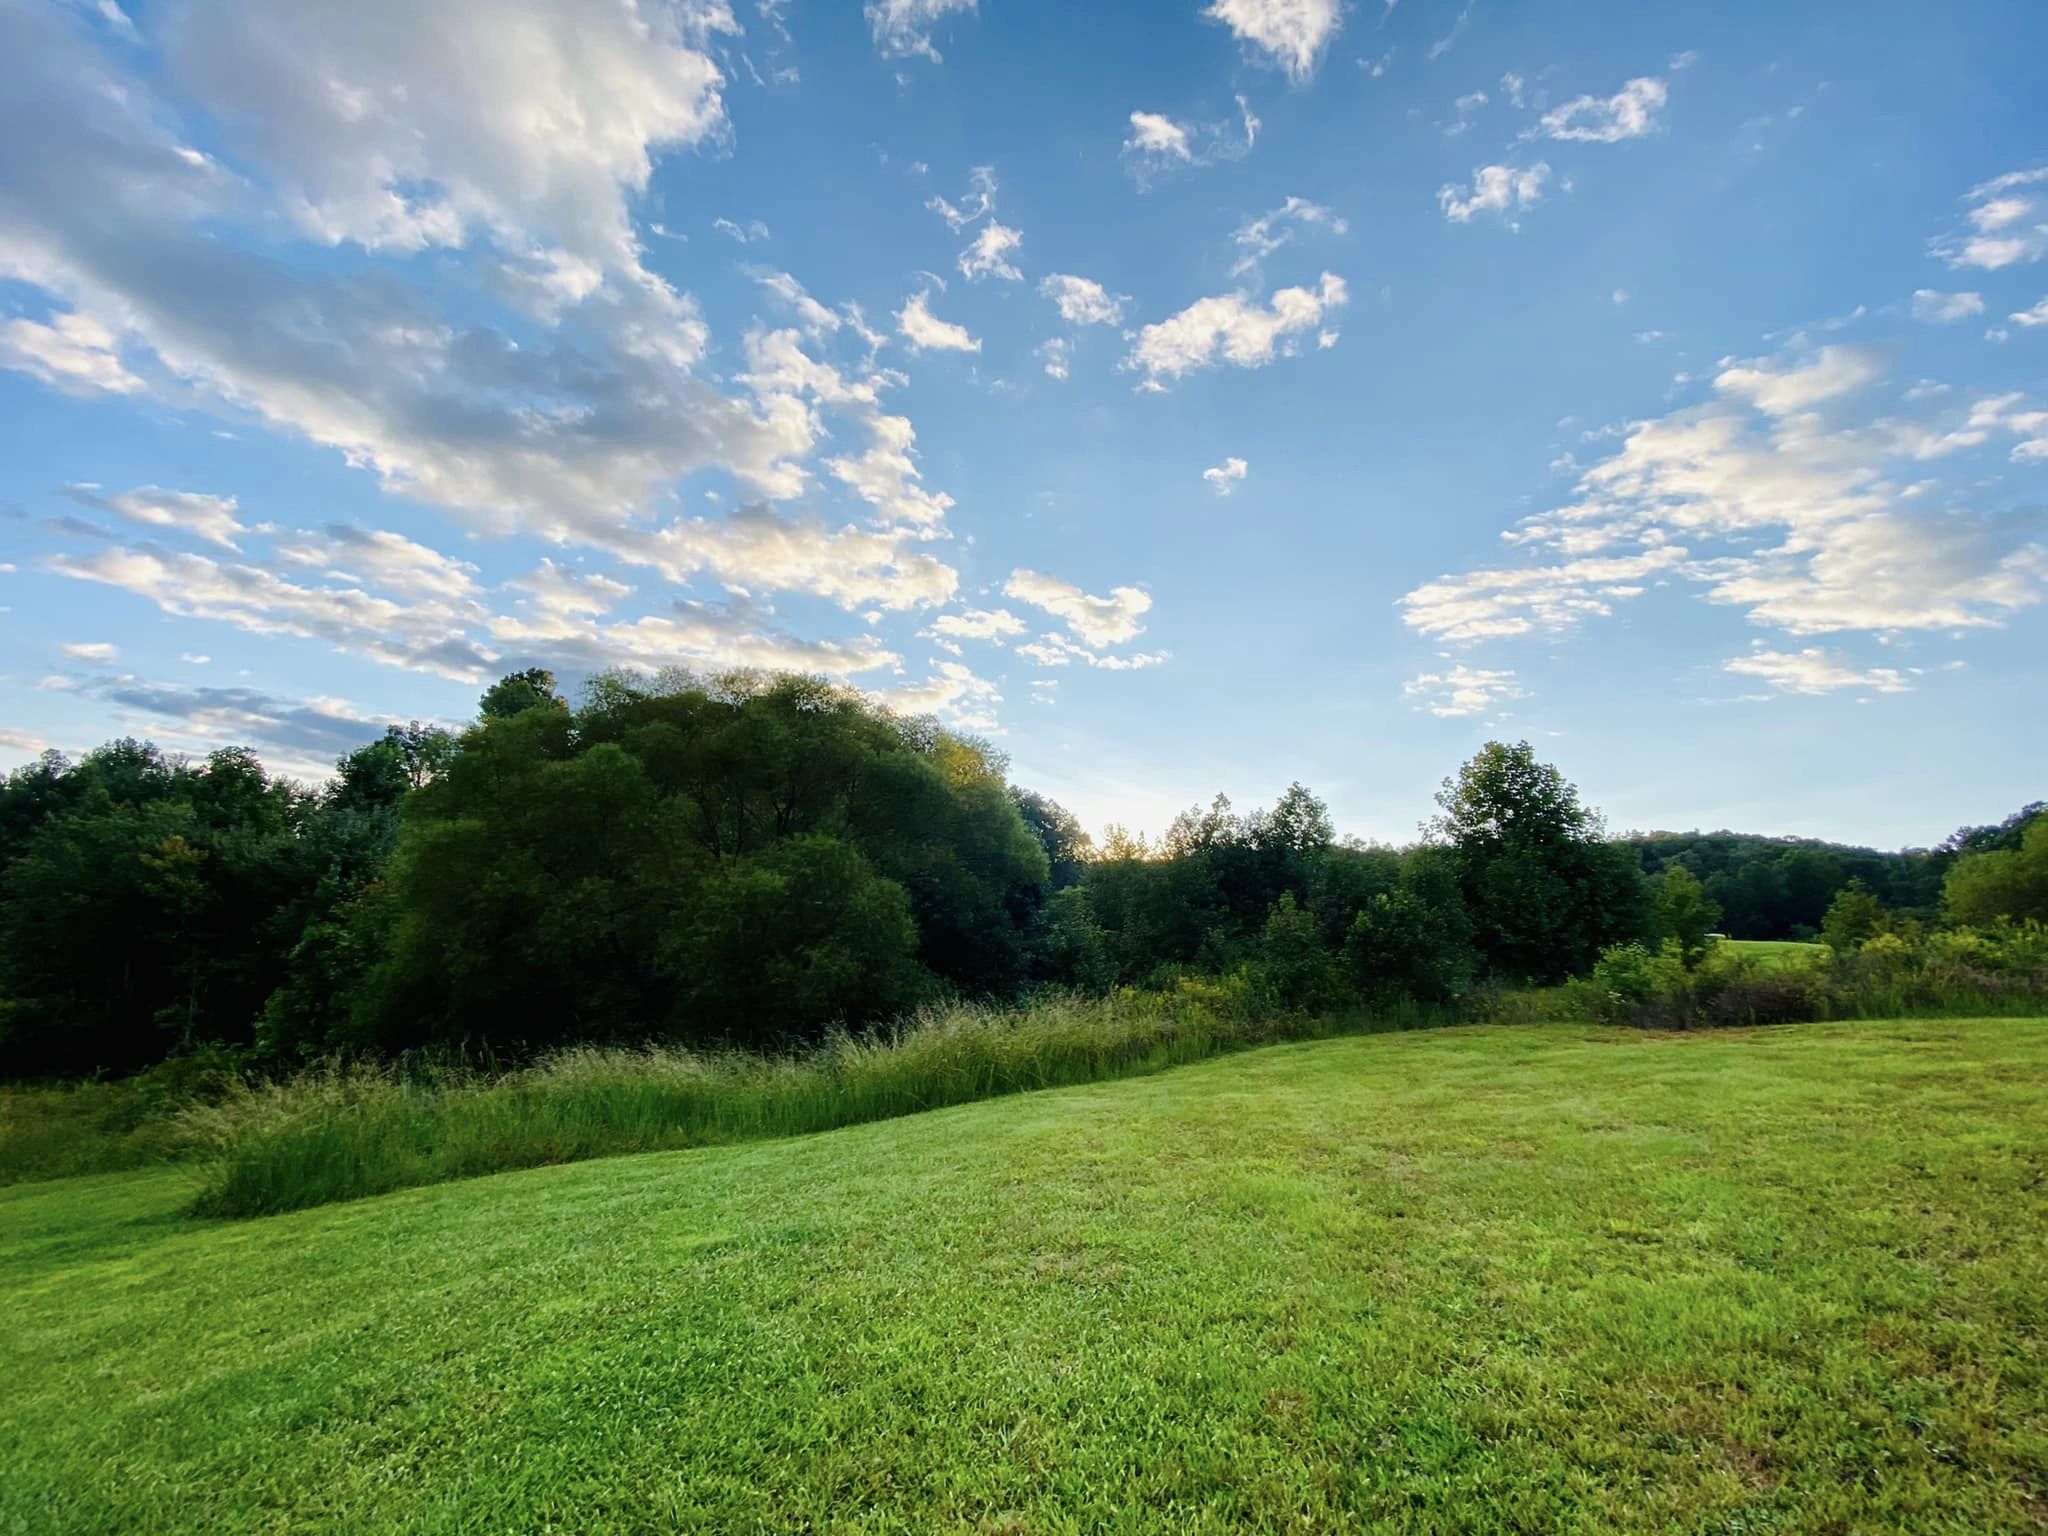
[[351, 1131]]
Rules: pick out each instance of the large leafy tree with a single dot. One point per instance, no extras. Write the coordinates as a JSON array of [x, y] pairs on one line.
[[738, 858], [1545, 890], [2002, 881]]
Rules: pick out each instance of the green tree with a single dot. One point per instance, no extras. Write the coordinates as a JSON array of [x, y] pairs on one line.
[[1853, 918], [520, 691], [2002, 882], [1415, 940], [1546, 891], [1682, 912]]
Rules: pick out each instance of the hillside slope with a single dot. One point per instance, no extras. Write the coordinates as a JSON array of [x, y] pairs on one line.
[[1528, 1279]]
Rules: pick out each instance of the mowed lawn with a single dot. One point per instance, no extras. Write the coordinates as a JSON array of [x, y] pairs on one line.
[[1771, 953], [1534, 1279]]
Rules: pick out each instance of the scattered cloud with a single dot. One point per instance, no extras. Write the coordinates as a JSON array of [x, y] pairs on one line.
[[2008, 219], [979, 624], [1466, 107], [1289, 33], [1227, 476], [1159, 143], [1259, 238], [953, 693], [988, 255], [1444, 44], [78, 354], [1945, 308], [902, 29], [1082, 301], [1815, 671], [1057, 353], [749, 233], [1462, 691], [2029, 318], [1495, 189], [980, 200], [927, 333], [1159, 137], [1233, 328], [1630, 113], [211, 518], [1096, 622], [98, 652]]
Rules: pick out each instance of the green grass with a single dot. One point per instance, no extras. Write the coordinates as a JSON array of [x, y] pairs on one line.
[[341, 1136], [1545, 1278], [1771, 953]]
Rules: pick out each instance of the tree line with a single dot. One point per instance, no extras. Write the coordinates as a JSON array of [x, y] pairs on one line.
[[748, 859]]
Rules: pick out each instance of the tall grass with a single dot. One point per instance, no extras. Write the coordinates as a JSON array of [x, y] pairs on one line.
[[349, 1132]]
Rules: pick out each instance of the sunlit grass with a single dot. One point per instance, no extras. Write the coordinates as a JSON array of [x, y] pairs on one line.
[[1492, 1279]]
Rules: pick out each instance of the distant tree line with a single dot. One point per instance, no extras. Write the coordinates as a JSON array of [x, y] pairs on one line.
[[749, 859]]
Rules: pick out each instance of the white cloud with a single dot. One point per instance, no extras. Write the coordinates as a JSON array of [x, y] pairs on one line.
[[953, 692], [1058, 355], [1630, 113], [749, 233], [1815, 671], [886, 477], [1082, 301], [2030, 318], [1259, 238], [380, 558], [421, 635], [2008, 218], [1292, 33], [1773, 506], [988, 255], [211, 518], [1227, 476], [1495, 189], [75, 353], [980, 199], [1095, 621], [978, 624], [1945, 308], [1056, 650], [927, 333], [119, 224], [1158, 136], [1462, 691], [815, 317], [1830, 374], [98, 652], [1232, 328], [1493, 604], [1466, 107], [531, 121], [903, 28]]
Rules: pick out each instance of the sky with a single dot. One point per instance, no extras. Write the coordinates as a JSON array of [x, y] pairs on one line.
[[1187, 398]]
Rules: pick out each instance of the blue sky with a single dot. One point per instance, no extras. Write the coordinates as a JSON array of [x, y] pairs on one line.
[[1190, 398]]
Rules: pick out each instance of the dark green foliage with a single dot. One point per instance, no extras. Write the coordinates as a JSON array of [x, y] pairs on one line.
[[1545, 891], [144, 905], [514, 695], [1416, 939], [744, 859], [753, 860]]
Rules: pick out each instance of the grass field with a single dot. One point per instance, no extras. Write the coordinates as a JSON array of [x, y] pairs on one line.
[[1775, 952], [1512, 1278]]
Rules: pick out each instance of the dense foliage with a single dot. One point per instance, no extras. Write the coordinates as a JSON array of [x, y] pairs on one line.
[[749, 860]]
